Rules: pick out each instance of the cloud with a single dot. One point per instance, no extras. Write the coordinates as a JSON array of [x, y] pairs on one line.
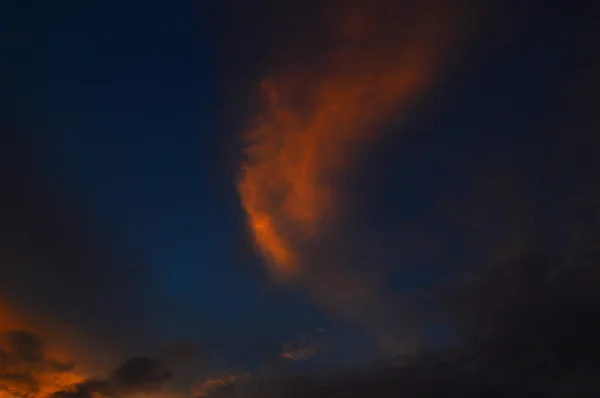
[[27, 369], [380, 58], [528, 327], [293, 155], [297, 354], [136, 375], [214, 384], [304, 347], [32, 367]]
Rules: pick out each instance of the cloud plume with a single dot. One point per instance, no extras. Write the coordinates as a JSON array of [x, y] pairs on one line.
[[383, 56]]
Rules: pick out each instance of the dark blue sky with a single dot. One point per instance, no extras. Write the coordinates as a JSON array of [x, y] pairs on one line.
[[129, 104], [124, 102]]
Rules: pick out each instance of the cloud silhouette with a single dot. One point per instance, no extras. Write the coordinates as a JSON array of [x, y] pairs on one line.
[[136, 375]]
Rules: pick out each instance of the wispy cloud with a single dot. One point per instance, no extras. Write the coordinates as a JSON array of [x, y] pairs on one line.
[[383, 58]]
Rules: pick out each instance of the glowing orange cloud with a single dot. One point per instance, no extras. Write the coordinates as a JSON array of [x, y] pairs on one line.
[[28, 368], [381, 58], [297, 150]]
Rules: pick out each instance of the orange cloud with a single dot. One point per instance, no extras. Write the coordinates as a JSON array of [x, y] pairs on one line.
[[384, 58], [34, 362], [213, 384], [293, 156], [297, 354], [28, 370]]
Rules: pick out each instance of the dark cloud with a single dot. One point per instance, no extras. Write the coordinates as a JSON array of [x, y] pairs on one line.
[[527, 328], [26, 369], [136, 375], [25, 346], [29, 369], [143, 372]]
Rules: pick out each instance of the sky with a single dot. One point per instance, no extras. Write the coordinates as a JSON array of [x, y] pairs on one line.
[[256, 178]]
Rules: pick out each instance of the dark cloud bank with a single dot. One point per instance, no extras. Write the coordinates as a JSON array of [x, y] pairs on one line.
[[136, 375], [528, 327], [25, 365]]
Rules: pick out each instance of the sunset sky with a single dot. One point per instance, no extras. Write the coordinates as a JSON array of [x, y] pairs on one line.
[[239, 187]]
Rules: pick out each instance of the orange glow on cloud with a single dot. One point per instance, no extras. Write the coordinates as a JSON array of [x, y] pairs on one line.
[[36, 378], [211, 385], [294, 156], [27, 367]]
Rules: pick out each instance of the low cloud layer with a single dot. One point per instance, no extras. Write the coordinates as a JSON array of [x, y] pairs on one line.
[[27, 369], [526, 328], [136, 375]]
